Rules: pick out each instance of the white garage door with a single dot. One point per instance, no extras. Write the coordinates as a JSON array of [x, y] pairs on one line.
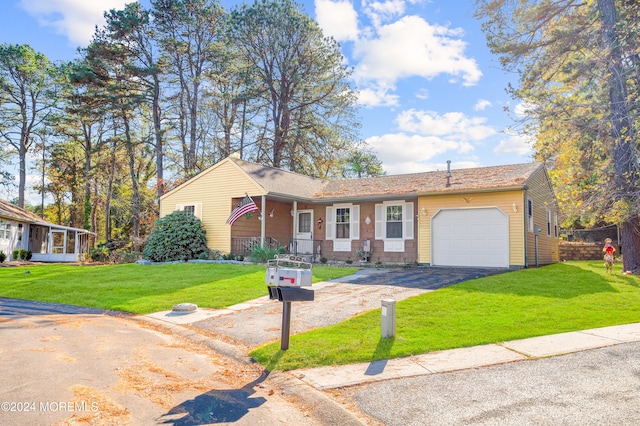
[[470, 237]]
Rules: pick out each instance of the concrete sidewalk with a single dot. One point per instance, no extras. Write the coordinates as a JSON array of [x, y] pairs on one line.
[[466, 358]]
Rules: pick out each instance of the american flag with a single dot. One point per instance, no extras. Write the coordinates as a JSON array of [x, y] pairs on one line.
[[246, 206]]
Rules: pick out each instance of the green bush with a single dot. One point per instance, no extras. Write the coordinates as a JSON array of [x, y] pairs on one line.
[[262, 254], [3, 257], [100, 253], [21, 254], [177, 236]]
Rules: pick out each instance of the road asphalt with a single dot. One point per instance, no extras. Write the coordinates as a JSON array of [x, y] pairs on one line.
[[63, 367]]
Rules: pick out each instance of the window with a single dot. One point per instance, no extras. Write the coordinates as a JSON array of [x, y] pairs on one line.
[[530, 214], [194, 209], [5, 231], [394, 224], [555, 225], [343, 223], [549, 223], [304, 223], [394, 221]]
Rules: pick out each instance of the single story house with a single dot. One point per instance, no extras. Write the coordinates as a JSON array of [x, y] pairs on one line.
[[502, 216], [48, 242]]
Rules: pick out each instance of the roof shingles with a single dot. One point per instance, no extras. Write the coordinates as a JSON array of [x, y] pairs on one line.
[[282, 182]]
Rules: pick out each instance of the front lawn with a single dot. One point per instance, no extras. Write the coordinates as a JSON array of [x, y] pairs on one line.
[[532, 302], [143, 289]]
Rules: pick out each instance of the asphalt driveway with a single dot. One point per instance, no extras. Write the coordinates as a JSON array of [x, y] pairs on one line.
[[335, 301]]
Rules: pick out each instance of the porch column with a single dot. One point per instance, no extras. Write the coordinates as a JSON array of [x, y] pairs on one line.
[[263, 221], [295, 223]]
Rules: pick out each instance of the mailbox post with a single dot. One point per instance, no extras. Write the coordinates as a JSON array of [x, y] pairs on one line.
[[286, 275]]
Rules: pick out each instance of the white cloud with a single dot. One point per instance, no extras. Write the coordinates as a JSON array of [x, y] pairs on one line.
[[377, 97], [482, 104], [401, 153], [75, 19], [411, 47], [515, 144], [381, 11], [523, 109], [338, 19], [451, 124]]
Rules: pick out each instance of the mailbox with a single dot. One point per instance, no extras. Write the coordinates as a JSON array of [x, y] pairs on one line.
[[286, 275], [288, 271], [290, 294]]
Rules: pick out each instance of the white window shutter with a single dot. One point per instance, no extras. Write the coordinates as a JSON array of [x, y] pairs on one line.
[[408, 221], [355, 223], [380, 221], [331, 224], [179, 207], [198, 210]]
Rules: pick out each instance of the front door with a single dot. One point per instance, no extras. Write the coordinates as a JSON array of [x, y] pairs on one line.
[[304, 232]]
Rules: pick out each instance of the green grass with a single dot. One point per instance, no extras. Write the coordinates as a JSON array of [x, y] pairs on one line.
[[143, 289], [533, 302]]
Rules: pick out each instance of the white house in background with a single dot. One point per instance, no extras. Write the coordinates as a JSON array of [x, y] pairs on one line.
[[48, 242]]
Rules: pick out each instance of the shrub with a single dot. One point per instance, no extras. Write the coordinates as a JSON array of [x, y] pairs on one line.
[[177, 236], [100, 253], [3, 257], [21, 254], [262, 254], [323, 260]]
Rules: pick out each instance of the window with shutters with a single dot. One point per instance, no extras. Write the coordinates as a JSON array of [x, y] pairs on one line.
[[394, 224], [343, 225]]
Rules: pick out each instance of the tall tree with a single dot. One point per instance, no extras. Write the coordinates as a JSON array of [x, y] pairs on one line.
[[303, 75], [188, 31], [571, 55], [132, 30], [27, 84]]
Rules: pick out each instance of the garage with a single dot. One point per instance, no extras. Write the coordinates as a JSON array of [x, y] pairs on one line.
[[470, 237]]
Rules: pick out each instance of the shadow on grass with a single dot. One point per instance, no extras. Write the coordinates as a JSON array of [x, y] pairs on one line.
[[216, 406], [560, 281], [381, 355]]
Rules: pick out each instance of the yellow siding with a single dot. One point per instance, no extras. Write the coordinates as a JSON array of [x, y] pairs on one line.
[[214, 188], [543, 197], [428, 206]]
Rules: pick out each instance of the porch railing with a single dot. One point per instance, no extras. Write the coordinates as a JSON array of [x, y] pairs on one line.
[[244, 245], [298, 246]]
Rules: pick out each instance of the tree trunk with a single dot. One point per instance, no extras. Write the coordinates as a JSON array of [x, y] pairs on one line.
[[157, 128], [624, 155], [135, 202]]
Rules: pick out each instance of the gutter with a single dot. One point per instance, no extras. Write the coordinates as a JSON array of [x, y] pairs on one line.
[[68, 228]]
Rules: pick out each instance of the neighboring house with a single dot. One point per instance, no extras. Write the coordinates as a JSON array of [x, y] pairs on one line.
[[503, 216], [21, 229]]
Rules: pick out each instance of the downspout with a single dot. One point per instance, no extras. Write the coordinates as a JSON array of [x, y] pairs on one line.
[[294, 242], [526, 227], [263, 221]]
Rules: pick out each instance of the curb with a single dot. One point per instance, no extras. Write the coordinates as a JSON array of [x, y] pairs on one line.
[[319, 406], [220, 347]]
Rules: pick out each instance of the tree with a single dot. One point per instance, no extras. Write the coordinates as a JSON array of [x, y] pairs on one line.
[[303, 77], [132, 30], [576, 62], [188, 34], [27, 86]]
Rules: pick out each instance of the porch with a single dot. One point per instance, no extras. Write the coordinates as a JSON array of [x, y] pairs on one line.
[[55, 243]]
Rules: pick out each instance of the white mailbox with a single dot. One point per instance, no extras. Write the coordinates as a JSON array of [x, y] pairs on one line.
[[288, 271]]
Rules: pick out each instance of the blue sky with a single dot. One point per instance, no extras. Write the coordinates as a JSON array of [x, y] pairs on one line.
[[430, 90]]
